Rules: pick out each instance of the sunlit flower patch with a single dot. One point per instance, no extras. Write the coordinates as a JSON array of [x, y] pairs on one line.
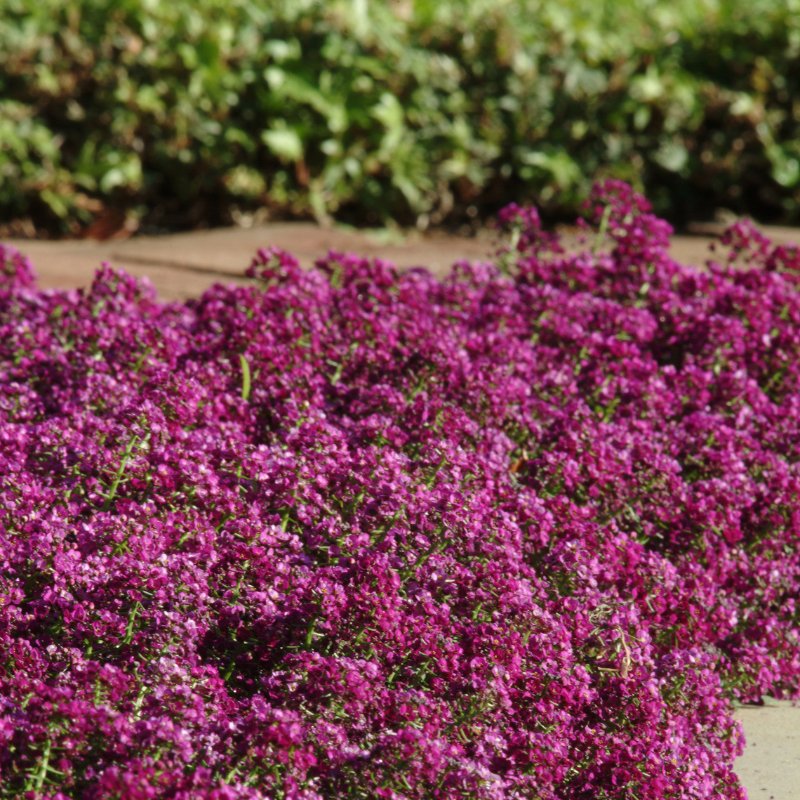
[[521, 533]]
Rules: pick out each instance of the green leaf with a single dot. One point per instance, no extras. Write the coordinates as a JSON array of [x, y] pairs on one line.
[[673, 156], [293, 87], [284, 143], [246, 384]]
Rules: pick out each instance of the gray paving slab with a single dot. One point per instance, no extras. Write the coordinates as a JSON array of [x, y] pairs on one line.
[[229, 250], [770, 766], [183, 264]]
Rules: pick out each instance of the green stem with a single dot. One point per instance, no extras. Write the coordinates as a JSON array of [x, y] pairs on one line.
[[41, 772], [246, 377], [126, 457], [601, 231]]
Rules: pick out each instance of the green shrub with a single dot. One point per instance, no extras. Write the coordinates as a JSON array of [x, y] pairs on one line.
[[187, 113]]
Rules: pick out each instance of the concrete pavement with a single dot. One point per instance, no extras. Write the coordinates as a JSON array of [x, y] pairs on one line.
[[770, 766], [182, 265]]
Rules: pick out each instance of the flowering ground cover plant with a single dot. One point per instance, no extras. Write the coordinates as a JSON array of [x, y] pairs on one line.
[[524, 532]]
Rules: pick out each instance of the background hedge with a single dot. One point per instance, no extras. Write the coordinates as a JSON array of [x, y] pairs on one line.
[[200, 112]]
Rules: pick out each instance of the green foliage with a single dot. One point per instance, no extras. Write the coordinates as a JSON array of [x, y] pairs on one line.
[[424, 111]]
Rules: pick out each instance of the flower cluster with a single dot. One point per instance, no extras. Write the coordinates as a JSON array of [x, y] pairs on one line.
[[520, 533]]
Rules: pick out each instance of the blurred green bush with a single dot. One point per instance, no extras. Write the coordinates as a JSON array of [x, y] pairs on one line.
[[188, 112]]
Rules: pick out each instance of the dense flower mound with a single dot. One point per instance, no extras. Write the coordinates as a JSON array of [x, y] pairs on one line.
[[524, 532]]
